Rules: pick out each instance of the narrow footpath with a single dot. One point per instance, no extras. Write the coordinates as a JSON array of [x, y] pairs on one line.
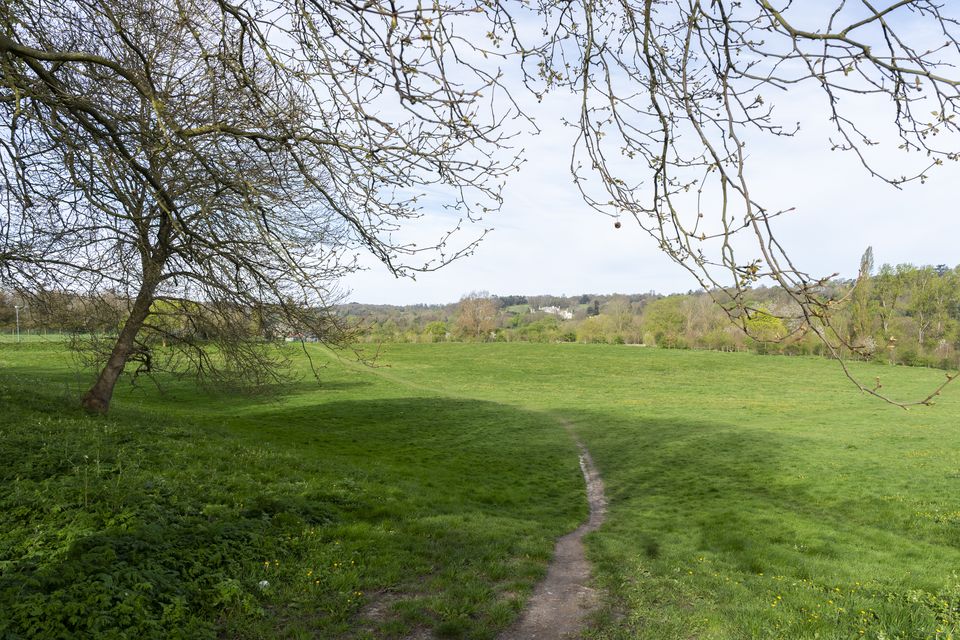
[[562, 601], [560, 604]]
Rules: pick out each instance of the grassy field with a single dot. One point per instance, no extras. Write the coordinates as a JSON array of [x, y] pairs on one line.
[[750, 497], [11, 337], [369, 511]]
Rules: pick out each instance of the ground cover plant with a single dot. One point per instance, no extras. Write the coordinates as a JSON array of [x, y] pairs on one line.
[[357, 509], [750, 497]]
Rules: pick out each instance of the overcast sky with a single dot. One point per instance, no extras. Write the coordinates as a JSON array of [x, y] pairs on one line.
[[547, 241]]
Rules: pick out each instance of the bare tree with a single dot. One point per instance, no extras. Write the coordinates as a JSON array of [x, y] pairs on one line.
[[212, 165], [476, 315], [671, 91], [244, 151]]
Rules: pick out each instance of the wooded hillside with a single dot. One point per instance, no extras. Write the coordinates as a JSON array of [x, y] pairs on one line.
[[902, 314]]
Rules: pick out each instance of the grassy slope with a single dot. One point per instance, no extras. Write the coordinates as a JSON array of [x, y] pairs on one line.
[[751, 497], [369, 508]]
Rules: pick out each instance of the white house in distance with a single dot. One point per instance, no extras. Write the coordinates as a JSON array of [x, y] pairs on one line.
[[563, 314]]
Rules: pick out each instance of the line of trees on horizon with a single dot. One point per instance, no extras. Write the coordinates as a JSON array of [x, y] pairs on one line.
[[902, 314]]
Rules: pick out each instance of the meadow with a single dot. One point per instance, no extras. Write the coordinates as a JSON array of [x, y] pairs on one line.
[[750, 497]]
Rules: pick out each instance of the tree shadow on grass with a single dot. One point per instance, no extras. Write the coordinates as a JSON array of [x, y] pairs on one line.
[[60, 388], [151, 527], [699, 483]]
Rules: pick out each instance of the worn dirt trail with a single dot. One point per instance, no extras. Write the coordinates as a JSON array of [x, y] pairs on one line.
[[560, 604]]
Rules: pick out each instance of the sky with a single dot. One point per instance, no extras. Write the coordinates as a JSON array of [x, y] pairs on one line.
[[545, 240]]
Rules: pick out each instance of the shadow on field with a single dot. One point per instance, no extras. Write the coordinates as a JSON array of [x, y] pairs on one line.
[[66, 383], [476, 454], [708, 487], [164, 523], [727, 529]]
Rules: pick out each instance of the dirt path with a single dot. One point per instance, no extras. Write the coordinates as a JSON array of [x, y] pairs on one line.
[[560, 604]]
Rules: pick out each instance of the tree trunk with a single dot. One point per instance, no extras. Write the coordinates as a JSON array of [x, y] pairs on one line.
[[97, 399]]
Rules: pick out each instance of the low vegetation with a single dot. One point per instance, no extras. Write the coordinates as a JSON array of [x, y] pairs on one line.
[[356, 510], [750, 497]]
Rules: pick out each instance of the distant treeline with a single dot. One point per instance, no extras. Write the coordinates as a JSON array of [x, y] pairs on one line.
[[169, 319], [901, 314]]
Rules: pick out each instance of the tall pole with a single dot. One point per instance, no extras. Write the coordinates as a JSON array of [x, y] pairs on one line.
[[16, 308]]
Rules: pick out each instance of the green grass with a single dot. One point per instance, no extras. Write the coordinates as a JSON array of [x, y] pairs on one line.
[[518, 308], [9, 337], [750, 497], [370, 511]]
